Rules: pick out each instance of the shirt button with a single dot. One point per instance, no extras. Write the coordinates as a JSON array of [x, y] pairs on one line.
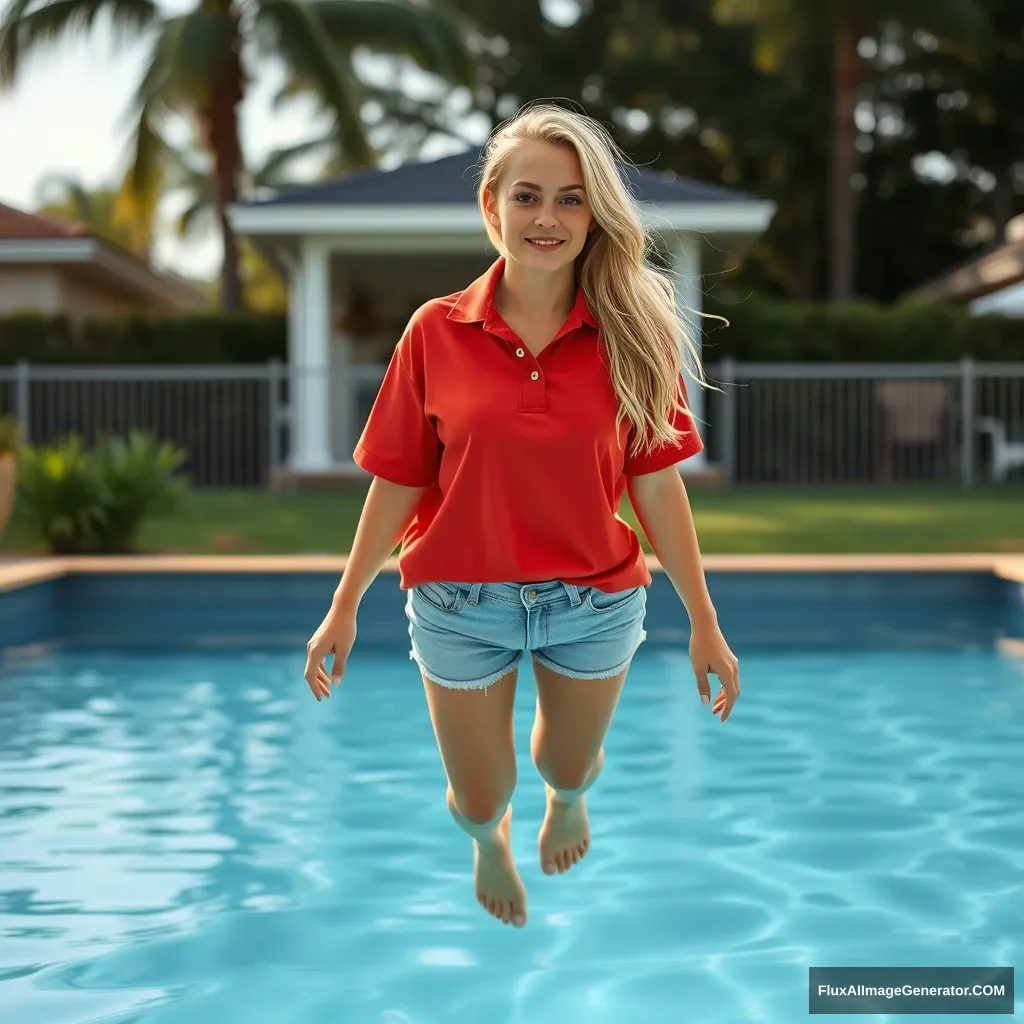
[[535, 375], [520, 353]]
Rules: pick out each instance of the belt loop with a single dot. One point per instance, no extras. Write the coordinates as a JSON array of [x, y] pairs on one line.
[[574, 595], [474, 593]]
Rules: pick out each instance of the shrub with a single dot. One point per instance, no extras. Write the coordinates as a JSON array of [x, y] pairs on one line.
[[95, 501]]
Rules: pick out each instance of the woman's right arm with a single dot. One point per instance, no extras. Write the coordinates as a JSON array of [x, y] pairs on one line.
[[386, 513]]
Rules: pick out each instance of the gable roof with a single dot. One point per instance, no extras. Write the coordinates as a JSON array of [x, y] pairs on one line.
[[452, 180], [35, 238], [17, 224]]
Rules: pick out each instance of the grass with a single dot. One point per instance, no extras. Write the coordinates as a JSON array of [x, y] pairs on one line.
[[880, 519]]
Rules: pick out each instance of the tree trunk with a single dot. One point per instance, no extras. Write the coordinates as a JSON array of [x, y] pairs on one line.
[[1004, 203], [220, 126], [806, 262], [843, 198]]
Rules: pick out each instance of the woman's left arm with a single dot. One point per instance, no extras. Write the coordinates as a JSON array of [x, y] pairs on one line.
[[663, 510]]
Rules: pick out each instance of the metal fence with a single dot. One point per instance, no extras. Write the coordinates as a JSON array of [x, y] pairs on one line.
[[225, 417], [861, 422], [763, 424]]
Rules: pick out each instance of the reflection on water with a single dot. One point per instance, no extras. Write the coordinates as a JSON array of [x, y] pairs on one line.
[[193, 838]]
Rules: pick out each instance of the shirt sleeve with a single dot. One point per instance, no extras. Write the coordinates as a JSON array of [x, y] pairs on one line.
[[399, 442], [688, 445]]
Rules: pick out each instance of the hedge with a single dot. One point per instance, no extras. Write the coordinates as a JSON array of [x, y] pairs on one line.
[[772, 331], [206, 338], [759, 331]]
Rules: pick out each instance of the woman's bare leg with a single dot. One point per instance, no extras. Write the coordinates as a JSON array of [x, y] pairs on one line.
[[475, 738], [573, 716]]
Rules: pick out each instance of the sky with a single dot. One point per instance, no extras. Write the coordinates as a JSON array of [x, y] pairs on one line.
[[67, 116]]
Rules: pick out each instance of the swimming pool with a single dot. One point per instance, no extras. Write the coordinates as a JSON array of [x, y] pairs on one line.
[[186, 835]]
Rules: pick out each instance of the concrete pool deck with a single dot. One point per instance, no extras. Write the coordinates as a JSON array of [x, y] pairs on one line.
[[23, 572]]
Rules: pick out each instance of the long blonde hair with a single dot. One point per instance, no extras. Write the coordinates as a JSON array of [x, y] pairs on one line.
[[646, 342]]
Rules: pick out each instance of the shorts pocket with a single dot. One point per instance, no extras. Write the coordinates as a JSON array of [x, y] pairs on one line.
[[442, 596], [601, 601]]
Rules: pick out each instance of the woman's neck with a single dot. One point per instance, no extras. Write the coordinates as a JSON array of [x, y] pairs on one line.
[[536, 293]]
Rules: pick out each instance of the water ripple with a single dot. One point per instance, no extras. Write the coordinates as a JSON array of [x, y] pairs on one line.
[[193, 838]]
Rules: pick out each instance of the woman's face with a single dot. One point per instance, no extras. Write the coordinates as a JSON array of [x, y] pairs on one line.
[[540, 206]]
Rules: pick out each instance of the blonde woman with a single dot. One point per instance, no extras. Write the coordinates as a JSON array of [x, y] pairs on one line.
[[512, 418]]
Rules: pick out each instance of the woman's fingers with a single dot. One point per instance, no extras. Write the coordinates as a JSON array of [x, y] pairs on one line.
[[316, 676]]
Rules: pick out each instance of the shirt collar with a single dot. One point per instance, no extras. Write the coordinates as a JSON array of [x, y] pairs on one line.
[[476, 303]]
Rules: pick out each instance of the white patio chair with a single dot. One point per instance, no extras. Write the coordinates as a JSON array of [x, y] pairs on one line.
[[1006, 454]]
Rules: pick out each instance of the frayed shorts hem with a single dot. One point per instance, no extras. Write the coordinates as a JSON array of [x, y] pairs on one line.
[[605, 673], [563, 670], [466, 684]]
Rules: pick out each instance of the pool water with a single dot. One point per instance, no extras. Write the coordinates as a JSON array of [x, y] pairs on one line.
[[191, 838]]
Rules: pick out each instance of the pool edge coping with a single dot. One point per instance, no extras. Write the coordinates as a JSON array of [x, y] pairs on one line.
[[29, 571]]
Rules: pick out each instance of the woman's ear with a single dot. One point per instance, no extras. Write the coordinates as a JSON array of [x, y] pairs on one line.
[[491, 209]]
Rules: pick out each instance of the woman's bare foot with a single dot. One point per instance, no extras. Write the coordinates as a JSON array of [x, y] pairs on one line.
[[565, 835], [499, 888]]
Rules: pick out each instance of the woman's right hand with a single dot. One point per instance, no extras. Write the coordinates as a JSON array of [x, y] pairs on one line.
[[335, 635]]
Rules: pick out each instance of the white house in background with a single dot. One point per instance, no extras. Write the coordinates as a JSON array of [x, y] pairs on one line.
[[992, 283], [364, 251]]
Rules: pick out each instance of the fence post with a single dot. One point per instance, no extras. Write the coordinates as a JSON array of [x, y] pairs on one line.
[[966, 422], [274, 416], [22, 375], [728, 450]]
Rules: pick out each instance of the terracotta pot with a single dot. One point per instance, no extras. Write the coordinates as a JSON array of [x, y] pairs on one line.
[[8, 488]]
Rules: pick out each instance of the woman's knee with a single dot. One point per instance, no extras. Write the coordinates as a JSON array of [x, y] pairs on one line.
[[480, 804], [567, 771], [565, 775]]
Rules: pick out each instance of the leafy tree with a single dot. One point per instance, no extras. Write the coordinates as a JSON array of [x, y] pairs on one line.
[[784, 25]]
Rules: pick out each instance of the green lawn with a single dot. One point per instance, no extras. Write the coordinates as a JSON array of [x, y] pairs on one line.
[[744, 521]]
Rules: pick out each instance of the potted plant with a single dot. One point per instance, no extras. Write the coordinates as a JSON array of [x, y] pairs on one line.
[[9, 434]]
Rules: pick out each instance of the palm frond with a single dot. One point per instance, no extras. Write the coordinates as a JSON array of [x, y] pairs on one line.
[[22, 30], [196, 219], [191, 56], [66, 191], [272, 173], [434, 38], [292, 30], [146, 175]]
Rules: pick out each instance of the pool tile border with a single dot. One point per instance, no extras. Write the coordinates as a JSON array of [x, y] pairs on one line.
[[24, 572]]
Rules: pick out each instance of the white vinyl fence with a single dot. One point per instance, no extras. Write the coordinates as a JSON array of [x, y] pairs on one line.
[[769, 423]]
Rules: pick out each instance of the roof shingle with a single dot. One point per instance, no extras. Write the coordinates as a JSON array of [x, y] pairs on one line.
[[16, 225], [453, 179]]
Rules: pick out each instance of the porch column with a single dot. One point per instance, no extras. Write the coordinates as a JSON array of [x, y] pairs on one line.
[[686, 262], [310, 403], [296, 360]]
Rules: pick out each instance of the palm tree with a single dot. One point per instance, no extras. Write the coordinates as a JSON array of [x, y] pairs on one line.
[[188, 171], [201, 64], [783, 25]]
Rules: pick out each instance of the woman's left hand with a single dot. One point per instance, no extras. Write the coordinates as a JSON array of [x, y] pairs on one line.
[[710, 654]]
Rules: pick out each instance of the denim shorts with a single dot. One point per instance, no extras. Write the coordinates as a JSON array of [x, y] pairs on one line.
[[468, 635]]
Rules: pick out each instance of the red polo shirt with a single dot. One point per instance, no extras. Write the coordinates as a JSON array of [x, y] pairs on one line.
[[520, 455]]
